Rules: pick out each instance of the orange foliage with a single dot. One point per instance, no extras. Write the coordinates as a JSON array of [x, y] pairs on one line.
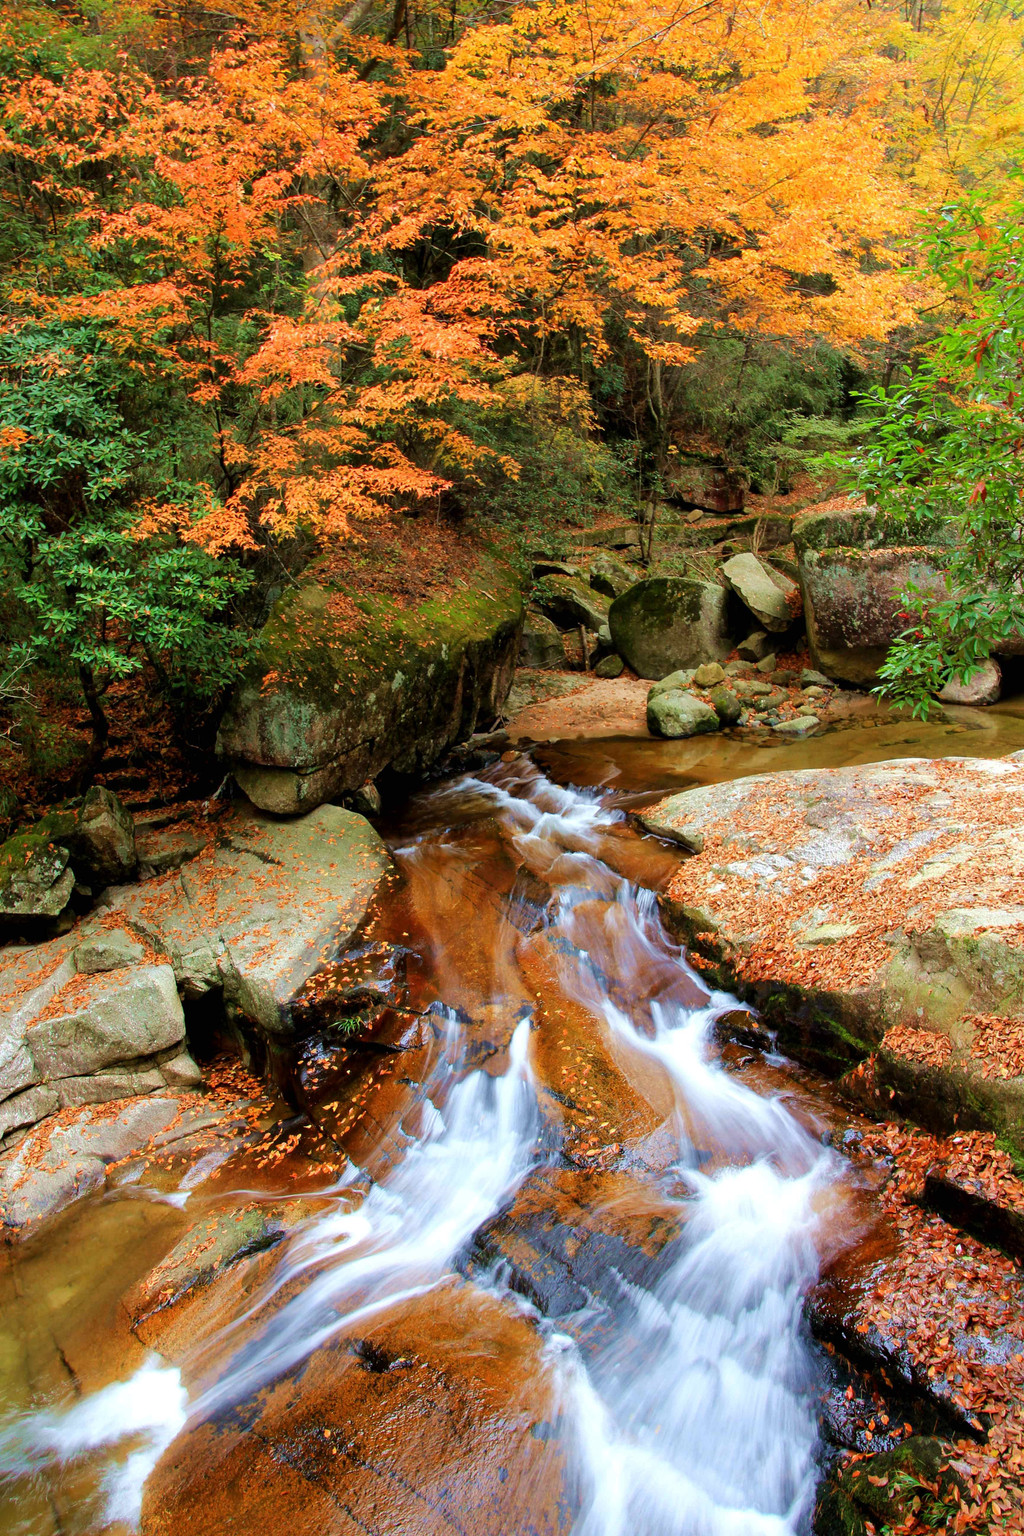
[[391, 241]]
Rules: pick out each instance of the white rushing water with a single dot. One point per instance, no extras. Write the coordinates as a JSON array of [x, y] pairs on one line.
[[694, 1416], [697, 1417]]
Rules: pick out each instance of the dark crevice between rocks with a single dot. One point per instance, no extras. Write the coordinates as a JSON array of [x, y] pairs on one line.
[[375, 1359], [973, 1212]]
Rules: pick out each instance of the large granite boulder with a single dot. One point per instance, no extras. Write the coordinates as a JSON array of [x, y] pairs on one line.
[[350, 683], [772, 598], [262, 907], [70, 1038], [853, 574], [983, 688], [667, 623], [855, 905]]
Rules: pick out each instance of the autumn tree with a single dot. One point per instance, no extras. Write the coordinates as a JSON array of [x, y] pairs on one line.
[[958, 107], [330, 254], [322, 251]]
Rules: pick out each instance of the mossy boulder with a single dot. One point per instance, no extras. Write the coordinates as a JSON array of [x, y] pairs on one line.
[[854, 568], [667, 623], [676, 714], [610, 576], [91, 841], [867, 528], [853, 605], [885, 1491], [568, 600], [35, 878], [609, 667], [99, 835], [349, 684]]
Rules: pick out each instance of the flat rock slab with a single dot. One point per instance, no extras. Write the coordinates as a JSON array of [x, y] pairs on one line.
[[264, 905], [862, 898], [71, 1154]]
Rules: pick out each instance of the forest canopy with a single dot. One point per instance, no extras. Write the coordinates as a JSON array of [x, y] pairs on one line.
[[273, 272]]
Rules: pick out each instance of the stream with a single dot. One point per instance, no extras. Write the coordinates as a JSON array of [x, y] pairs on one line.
[[555, 1282]]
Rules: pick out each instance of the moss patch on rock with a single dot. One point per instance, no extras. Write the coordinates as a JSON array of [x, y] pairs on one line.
[[349, 683]]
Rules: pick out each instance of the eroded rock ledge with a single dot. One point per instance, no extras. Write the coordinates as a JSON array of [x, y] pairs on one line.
[[864, 906]]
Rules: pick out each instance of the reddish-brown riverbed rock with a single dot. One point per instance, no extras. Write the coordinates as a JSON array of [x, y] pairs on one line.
[[435, 1420], [849, 901]]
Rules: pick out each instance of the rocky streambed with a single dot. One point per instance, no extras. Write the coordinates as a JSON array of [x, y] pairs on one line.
[[542, 1229]]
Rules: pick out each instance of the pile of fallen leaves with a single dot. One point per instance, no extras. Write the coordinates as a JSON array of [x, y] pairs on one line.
[[404, 558], [930, 1047], [998, 1044], [956, 1308], [227, 1081]]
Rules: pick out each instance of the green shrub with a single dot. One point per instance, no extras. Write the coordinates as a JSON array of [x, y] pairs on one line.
[[87, 595]]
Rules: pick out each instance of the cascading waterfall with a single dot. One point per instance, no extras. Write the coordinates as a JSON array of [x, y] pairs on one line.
[[694, 1415], [697, 1419]]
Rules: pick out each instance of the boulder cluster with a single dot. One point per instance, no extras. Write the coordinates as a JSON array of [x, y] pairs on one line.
[[716, 614], [96, 981]]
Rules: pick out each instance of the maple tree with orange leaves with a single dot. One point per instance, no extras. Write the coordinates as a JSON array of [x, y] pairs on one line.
[[316, 254], [330, 247]]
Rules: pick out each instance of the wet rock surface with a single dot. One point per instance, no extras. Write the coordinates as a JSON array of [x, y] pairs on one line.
[[426, 1423], [69, 1157], [444, 1407], [573, 1238]]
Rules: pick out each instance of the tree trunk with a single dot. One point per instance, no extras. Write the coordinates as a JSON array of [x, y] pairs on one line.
[[100, 729]]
